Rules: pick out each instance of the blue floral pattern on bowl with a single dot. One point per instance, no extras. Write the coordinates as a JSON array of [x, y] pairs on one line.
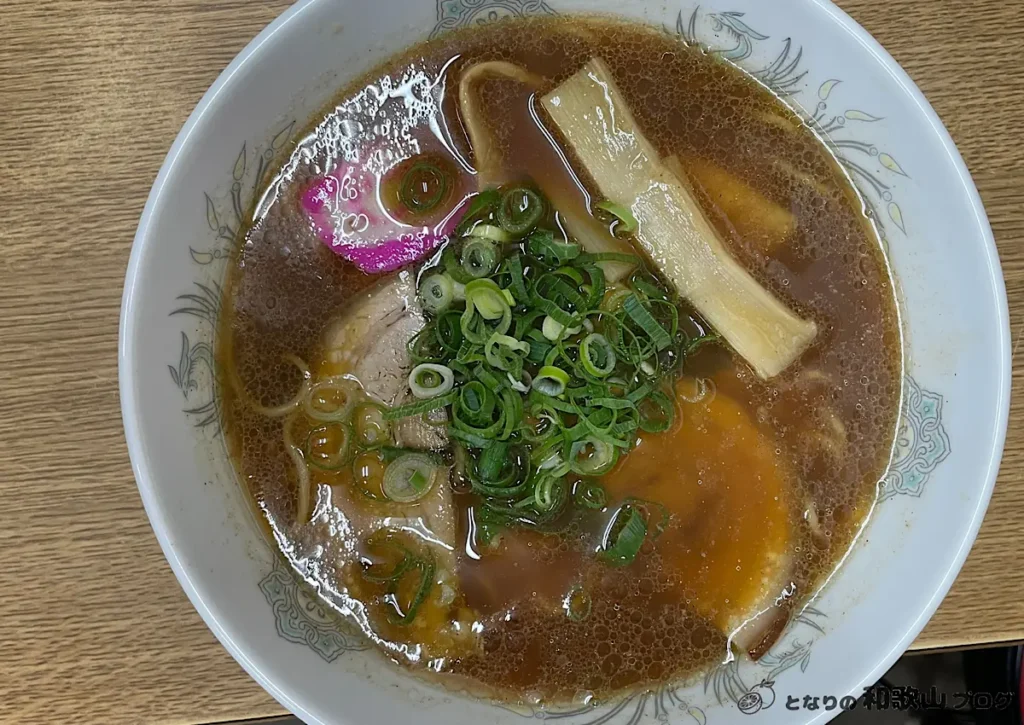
[[301, 617], [921, 444], [453, 14]]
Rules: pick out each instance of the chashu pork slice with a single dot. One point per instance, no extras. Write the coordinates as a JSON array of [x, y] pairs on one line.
[[367, 341], [730, 542]]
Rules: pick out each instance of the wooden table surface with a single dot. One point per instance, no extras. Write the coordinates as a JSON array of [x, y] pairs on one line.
[[93, 625]]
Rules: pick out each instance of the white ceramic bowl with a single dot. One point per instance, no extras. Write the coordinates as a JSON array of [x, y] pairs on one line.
[[954, 318]]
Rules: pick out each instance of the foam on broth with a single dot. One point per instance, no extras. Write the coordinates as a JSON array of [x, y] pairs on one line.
[[755, 470]]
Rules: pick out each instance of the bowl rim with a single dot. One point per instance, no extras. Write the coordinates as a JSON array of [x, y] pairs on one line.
[[996, 279], [126, 373], [126, 342]]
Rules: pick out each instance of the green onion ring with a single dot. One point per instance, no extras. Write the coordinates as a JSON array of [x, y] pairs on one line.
[[627, 221], [600, 461], [418, 180], [333, 459], [428, 380], [437, 292], [597, 356], [409, 478], [590, 494], [320, 407], [551, 381], [491, 232], [500, 352], [383, 540], [657, 412], [625, 535], [479, 257], [519, 210], [480, 207]]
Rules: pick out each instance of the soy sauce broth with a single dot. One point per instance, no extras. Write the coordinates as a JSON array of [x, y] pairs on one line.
[[752, 471]]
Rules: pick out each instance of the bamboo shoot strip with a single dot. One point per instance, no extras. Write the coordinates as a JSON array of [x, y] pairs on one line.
[[755, 218], [581, 225], [592, 116]]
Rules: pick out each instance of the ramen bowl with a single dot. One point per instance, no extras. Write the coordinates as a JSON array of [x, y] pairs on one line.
[[954, 321]]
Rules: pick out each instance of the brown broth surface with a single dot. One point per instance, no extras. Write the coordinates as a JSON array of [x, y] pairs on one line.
[[752, 472]]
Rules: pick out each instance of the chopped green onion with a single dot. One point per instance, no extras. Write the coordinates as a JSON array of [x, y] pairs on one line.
[[512, 408], [328, 446], [479, 257], [429, 380], [543, 245], [642, 316], [437, 292], [627, 221], [552, 462], [489, 231], [384, 542], [477, 400], [522, 383], [500, 352], [608, 257], [537, 410], [656, 525], [488, 378], [421, 406], [391, 453], [453, 265], [625, 536], [551, 381], [551, 309], [645, 284], [480, 207], [492, 461], [409, 478], [439, 339], [548, 493], [613, 302], [371, 428], [597, 356], [555, 331], [698, 342], [479, 416], [590, 494], [425, 569], [484, 298], [424, 186], [331, 399], [519, 210], [657, 412], [476, 329], [592, 457], [518, 275]]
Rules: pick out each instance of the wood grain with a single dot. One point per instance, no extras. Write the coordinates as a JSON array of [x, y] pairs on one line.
[[93, 626]]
